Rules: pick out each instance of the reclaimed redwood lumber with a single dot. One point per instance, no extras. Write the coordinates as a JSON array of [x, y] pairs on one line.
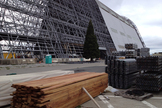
[[74, 87], [81, 98], [65, 82], [70, 91], [47, 85], [74, 95], [62, 95], [7, 81], [71, 81], [84, 98], [59, 92], [44, 81]]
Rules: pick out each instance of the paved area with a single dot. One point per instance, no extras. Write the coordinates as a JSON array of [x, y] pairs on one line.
[[98, 66], [120, 102], [113, 102]]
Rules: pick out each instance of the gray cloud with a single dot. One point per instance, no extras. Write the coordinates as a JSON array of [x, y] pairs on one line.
[[113, 4], [154, 23], [154, 43]]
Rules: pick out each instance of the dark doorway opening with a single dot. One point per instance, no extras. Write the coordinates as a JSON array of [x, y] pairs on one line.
[[102, 54]]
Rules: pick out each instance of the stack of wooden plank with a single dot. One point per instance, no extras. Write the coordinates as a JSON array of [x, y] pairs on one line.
[[7, 81], [59, 92]]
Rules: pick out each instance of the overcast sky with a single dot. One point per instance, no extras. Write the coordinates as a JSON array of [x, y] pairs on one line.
[[146, 14]]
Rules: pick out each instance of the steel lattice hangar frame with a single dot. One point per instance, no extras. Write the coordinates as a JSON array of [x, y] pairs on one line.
[[58, 27]]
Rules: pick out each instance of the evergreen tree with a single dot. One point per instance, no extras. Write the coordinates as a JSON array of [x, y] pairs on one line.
[[90, 49]]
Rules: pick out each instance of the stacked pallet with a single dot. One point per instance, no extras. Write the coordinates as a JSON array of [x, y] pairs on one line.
[[131, 51], [152, 63], [131, 46], [122, 72], [59, 92], [151, 79], [118, 53], [144, 52]]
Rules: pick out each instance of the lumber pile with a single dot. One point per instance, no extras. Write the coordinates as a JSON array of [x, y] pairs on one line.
[[59, 92], [7, 81]]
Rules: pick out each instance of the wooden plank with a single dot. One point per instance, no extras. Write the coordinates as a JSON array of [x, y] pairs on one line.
[[42, 81], [73, 80], [60, 91], [89, 84], [91, 97], [78, 99], [71, 93], [82, 100], [47, 84], [63, 82], [78, 84], [64, 100]]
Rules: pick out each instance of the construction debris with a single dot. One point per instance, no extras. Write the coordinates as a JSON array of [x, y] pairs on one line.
[[134, 94], [59, 92]]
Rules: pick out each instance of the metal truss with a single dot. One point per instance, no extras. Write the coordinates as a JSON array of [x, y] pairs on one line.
[[56, 27]]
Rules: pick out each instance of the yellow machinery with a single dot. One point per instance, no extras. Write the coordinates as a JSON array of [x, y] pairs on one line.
[[9, 56]]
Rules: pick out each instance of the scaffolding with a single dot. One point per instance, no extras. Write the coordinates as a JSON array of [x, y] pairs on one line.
[[35, 28]]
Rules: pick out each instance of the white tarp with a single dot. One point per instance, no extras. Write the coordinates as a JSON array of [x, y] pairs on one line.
[[7, 81]]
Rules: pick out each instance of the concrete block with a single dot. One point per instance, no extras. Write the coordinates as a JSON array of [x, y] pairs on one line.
[[55, 60], [86, 59], [63, 60], [6, 62], [13, 61], [58, 59], [67, 60], [30, 61], [70, 59], [0, 61], [17, 61], [23, 61]]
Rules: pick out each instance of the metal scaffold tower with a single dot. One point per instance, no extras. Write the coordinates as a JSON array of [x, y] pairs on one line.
[[35, 28]]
